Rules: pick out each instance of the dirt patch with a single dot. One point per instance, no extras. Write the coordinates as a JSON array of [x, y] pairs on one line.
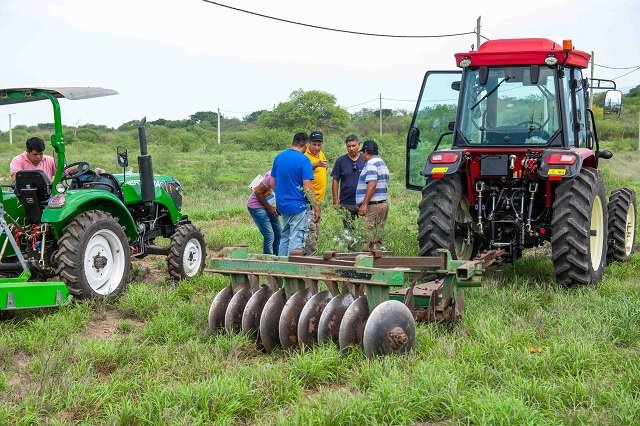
[[104, 325]]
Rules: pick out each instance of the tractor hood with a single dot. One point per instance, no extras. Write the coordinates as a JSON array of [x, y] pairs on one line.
[[26, 94]]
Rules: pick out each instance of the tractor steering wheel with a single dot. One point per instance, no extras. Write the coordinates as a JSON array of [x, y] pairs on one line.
[[532, 125], [75, 170]]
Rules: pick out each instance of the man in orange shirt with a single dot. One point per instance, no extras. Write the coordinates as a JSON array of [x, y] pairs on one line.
[[319, 183]]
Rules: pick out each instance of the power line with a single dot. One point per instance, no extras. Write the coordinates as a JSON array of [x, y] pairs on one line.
[[335, 29], [620, 76], [617, 68], [362, 103], [399, 100]]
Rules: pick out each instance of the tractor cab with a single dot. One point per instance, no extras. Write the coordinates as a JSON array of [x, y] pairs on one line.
[[516, 96]]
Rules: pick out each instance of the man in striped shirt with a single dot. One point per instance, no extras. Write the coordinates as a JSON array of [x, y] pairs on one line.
[[371, 195]]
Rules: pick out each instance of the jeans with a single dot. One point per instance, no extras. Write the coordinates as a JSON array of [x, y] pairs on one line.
[[294, 232], [269, 227]]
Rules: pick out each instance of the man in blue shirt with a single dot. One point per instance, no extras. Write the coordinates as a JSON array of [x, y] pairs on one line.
[[371, 194], [292, 175]]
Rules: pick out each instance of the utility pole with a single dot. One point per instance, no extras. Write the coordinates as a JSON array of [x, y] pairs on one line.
[[10, 128], [591, 85], [478, 32], [218, 126], [380, 114]]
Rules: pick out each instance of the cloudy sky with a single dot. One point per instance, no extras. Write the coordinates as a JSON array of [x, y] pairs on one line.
[[171, 58]]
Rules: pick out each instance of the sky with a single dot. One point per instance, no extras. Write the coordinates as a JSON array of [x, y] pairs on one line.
[[171, 58]]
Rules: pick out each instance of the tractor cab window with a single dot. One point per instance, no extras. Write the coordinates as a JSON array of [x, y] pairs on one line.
[[432, 122], [509, 107], [576, 109]]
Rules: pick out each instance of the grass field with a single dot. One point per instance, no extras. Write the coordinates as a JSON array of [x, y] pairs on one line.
[[526, 351]]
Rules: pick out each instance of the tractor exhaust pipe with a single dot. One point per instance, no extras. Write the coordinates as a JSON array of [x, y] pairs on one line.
[[144, 166]]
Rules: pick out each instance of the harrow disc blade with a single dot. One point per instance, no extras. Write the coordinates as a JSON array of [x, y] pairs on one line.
[[233, 315], [309, 318], [253, 310], [353, 322], [289, 319], [218, 309], [269, 320], [329, 324], [389, 329]]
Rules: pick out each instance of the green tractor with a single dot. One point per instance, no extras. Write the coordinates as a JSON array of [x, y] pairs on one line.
[[84, 227]]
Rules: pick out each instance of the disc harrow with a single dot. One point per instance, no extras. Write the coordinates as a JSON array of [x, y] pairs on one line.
[[369, 299]]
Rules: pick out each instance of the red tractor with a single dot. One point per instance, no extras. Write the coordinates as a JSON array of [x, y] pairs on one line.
[[522, 164]]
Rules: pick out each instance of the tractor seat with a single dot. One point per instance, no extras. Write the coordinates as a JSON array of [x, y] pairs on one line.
[[33, 189]]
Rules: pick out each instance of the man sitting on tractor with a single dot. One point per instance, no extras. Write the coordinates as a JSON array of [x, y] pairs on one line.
[[33, 158]]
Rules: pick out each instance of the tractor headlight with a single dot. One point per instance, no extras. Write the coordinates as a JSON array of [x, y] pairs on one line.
[[57, 201], [465, 62], [60, 188], [551, 60]]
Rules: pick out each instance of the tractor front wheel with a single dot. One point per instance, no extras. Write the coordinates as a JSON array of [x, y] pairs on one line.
[[622, 210], [93, 256], [445, 219], [579, 229], [187, 253]]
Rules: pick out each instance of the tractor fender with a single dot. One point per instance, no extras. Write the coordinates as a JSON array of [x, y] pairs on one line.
[[59, 214], [560, 164], [441, 163]]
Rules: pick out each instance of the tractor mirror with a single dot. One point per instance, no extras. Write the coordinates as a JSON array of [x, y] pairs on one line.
[[451, 126], [612, 103], [123, 158], [606, 154], [455, 85], [413, 138]]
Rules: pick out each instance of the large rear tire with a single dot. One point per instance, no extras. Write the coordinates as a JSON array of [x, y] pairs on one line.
[[187, 253], [622, 209], [445, 218], [579, 229], [93, 256]]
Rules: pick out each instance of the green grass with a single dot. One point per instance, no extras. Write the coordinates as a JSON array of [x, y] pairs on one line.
[[525, 352]]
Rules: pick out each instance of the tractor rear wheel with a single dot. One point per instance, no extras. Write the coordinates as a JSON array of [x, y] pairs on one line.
[[622, 210], [186, 253], [93, 256], [579, 229], [445, 219]]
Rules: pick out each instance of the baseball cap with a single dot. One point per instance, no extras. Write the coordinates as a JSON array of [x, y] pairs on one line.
[[315, 136], [370, 146]]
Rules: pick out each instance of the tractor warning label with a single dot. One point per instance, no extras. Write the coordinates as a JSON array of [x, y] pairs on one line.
[[557, 172], [439, 170]]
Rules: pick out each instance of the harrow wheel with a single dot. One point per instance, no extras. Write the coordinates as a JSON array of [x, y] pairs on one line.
[[270, 320], [353, 323], [253, 311], [331, 318], [288, 325], [389, 329], [235, 309], [310, 318], [218, 309]]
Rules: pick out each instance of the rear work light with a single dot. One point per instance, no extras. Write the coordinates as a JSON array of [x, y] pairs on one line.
[[443, 158], [561, 159]]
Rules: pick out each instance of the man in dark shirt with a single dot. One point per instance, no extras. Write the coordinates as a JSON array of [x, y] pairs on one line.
[[345, 173]]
